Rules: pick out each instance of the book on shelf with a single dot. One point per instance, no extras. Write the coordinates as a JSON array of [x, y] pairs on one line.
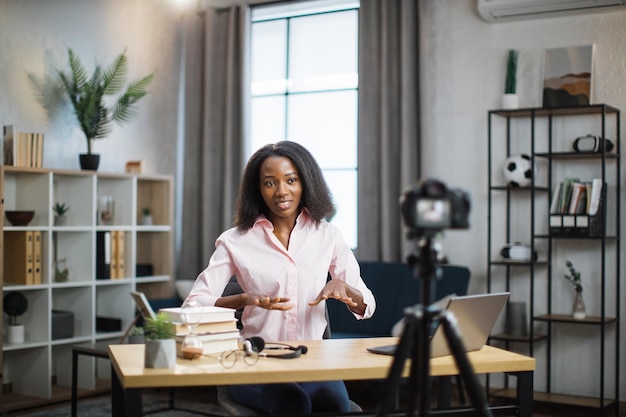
[[566, 194], [578, 199], [554, 205], [18, 257], [208, 314], [596, 193], [24, 149], [202, 328]]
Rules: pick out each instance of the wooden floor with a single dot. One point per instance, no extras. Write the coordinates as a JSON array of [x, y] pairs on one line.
[[363, 393]]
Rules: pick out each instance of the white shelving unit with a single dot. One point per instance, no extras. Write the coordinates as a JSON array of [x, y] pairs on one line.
[[41, 366]]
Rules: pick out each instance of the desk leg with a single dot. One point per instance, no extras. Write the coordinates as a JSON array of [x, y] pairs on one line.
[[525, 394], [124, 402], [444, 393], [74, 382]]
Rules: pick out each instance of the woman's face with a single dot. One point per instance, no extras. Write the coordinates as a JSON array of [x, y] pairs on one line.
[[281, 188]]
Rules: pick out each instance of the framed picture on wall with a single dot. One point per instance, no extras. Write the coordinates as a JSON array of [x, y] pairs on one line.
[[567, 76]]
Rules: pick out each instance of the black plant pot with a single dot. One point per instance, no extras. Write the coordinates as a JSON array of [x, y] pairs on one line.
[[89, 161]]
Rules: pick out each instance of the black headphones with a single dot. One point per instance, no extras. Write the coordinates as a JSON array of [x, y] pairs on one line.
[[256, 344]]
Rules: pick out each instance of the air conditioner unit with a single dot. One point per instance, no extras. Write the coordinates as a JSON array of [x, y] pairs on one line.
[[504, 10]]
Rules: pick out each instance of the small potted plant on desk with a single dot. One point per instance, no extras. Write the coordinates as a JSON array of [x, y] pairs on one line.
[[136, 336], [160, 343], [15, 304]]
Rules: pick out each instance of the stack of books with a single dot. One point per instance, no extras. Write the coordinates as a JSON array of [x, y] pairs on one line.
[[573, 196], [216, 329], [22, 149], [577, 208]]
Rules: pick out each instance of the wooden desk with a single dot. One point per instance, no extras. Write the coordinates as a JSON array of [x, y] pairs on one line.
[[344, 359]]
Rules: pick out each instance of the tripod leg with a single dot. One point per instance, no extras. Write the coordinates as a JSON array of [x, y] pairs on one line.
[[405, 345], [476, 394], [419, 382]]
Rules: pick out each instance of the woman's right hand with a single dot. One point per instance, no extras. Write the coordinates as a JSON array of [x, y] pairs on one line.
[[239, 301], [267, 302]]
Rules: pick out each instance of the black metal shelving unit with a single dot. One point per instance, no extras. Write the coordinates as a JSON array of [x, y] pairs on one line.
[[537, 132]]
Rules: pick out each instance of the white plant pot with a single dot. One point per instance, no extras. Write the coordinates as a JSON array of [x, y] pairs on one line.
[[15, 334], [510, 101], [146, 220], [160, 354]]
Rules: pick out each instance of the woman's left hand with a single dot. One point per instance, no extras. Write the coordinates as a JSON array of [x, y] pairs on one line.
[[338, 290]]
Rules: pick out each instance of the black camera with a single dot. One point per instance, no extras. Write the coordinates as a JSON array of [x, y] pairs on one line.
[[430, 207]]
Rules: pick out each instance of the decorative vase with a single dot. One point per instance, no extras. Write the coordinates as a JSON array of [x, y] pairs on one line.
[[160, 353], [15, 334], [579, 311], [89, 161], [510, 101], [61, 272], [516, 323]]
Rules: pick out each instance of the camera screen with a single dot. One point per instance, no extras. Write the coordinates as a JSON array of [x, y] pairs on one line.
[[433, 213]]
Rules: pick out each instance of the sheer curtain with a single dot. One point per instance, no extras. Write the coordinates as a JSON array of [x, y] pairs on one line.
[[388, 123], [215, 110]]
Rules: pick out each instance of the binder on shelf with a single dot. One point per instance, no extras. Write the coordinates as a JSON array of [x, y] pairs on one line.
[[117, 255], [121, 251], [103, 255], [114, 256], [37, 254], [18, 257]]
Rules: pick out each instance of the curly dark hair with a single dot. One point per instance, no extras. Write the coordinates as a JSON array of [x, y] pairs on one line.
[[316, 195]]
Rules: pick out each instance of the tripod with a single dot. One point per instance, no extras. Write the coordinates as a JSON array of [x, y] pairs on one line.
[[415, 340]]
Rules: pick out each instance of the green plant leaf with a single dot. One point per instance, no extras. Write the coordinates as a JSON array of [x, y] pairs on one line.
[[87, 94]]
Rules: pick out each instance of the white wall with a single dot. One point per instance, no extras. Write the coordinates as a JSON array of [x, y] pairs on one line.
[[463, 69], [35, 36]]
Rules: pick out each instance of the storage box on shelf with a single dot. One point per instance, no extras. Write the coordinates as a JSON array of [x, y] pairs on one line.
[[591, 237], [39, 368]]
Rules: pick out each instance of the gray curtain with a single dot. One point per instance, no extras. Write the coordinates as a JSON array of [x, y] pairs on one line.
[[388, 123], [215, 108], [216, 51]]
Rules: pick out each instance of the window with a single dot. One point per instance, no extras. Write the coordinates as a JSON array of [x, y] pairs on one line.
[[304, 87]]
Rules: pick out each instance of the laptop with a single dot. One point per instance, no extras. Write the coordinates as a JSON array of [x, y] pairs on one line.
[[475, 317]]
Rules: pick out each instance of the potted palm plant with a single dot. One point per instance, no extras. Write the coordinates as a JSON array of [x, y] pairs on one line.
[[160, 344], [90, 94], [14, 305]]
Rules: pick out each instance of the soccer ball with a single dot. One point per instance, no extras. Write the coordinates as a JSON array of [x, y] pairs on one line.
[[517, 171]]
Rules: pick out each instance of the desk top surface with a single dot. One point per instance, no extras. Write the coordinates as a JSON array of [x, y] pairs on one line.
[[345, 359]]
